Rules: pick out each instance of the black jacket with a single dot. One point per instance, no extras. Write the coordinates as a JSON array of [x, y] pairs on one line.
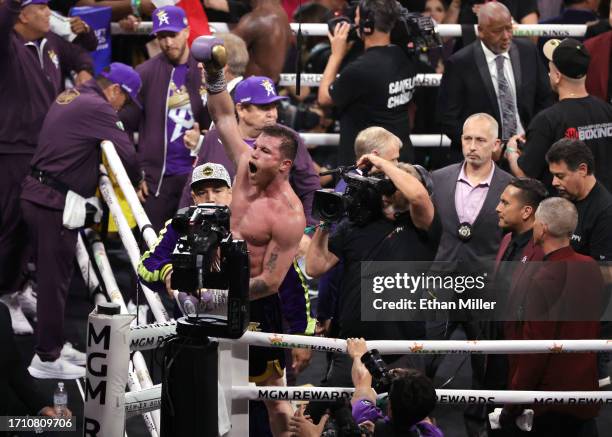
[[467, 87]]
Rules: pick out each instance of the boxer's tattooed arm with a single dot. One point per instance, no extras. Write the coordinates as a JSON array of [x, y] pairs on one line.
[[271, 263], [258, 289]]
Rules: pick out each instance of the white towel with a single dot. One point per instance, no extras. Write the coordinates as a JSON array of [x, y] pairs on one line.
[[524, 421]]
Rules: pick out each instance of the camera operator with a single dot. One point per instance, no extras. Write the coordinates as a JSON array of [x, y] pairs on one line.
[[210, 183], [408, 229], [412, 396], [375, 88]]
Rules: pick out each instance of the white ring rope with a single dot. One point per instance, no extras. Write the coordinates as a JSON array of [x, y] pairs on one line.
[[144, 224], [149, 336], [419, 140], [143, 401], [445, 30], [107, 191]]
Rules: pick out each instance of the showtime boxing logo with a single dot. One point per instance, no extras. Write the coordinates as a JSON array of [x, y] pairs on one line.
[[590, 132]]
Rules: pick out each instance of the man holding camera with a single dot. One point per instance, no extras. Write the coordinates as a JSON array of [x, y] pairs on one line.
[[210, 183], [412, 396], [407, 228], [374, 89]]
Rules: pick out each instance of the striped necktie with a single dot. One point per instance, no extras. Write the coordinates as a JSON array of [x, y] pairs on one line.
[[507, 105]]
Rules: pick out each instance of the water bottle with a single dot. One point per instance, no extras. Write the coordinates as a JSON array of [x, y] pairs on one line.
[[60, 400]]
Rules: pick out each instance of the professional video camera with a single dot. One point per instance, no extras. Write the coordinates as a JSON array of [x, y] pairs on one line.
[[413, 32], [361, 202], [207, 257], [381, 377]]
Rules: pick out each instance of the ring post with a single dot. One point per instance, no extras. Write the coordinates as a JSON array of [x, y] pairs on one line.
[[189, 398], [108, 350]]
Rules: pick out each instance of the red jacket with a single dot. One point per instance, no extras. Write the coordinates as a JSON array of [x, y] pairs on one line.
[[578, 279], [599, 67]]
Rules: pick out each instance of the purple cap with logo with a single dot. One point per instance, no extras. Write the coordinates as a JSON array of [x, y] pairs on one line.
[[126, 77], [168, 19], [25, 3], [256, 90]]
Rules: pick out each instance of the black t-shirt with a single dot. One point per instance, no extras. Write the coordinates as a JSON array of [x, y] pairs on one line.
[[588, 119], [593, 235], [374, 90], [380, 240]]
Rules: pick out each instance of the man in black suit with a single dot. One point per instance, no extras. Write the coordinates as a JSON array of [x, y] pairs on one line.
[[495, 75]]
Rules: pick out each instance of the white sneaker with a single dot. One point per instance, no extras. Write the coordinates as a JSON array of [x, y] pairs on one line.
[[604, 382], [27, 300], [72, 355], [58, 369], [20, 323]]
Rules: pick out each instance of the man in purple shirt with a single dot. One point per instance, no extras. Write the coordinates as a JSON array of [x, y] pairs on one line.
[[33, 65], [66, 165], [173, 99]]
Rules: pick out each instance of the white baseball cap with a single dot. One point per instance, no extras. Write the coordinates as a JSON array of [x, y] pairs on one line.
[[210, 171]]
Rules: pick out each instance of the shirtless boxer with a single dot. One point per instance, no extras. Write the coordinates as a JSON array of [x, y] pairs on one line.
[[266, 213], [267, 35]]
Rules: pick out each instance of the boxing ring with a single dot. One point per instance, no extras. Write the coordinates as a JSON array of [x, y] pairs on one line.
[[115, 343], [237, 392]]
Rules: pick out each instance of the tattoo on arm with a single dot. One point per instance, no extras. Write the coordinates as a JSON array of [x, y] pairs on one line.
[[271, 263], [258, 289]]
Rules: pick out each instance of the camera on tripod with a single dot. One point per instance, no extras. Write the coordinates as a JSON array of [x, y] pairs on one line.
[[207, 257], [413, 32], [361, 202]]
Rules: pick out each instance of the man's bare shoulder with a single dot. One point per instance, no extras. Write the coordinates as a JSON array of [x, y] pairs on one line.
[[287, 215], [267, 16]]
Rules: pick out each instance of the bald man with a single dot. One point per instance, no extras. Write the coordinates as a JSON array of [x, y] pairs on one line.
[[515, 83]]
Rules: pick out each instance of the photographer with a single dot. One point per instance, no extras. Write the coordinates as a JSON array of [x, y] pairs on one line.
[[406, 229], [210, 183], [374, 89], [412, 397]]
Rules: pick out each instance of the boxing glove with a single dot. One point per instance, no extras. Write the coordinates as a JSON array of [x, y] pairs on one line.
[[209, 51]]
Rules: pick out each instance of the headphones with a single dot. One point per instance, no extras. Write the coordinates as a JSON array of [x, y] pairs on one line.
[[366, 19]]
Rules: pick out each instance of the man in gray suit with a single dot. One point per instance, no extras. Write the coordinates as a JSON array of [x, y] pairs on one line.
[[466, 195]]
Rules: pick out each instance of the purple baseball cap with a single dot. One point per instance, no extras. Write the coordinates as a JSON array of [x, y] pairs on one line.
[[25, 3], [126, 77], [256, 90], [168, 19]]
